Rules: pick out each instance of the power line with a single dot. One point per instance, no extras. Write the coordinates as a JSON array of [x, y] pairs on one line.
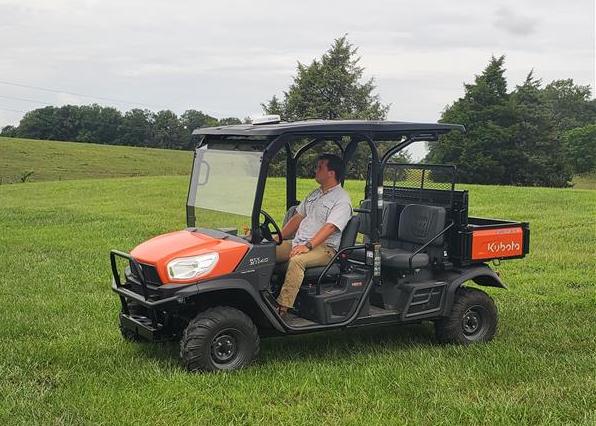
[[82, 95], [25, 99]]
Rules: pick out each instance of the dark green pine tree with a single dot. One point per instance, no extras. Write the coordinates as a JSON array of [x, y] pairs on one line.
[[538, 157], [511, 139], [330, 88], [484, 153]]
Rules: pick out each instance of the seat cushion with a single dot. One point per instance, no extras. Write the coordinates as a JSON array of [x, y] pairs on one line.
[[398, 258], [358, 254], [311, 275]]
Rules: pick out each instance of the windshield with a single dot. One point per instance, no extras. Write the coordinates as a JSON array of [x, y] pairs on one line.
[[223, 187]]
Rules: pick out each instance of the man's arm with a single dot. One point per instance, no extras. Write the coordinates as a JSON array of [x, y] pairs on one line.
[[292, 226], [319, 238]]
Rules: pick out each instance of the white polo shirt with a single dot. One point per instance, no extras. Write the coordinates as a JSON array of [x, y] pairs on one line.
[[319, 208]]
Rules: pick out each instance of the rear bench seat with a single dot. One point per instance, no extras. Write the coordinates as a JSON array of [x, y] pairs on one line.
[[403, 230]]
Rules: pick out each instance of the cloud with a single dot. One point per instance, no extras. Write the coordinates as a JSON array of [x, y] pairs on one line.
[[513, 23], [227, 57]]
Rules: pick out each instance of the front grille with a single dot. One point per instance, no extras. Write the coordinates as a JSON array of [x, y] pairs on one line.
[[149, 272]]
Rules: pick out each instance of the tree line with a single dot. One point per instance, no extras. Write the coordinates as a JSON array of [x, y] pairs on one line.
[[535, 134], [107, 125]]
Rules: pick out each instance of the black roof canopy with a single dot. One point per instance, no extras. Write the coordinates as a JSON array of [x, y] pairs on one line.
[[377, 130]]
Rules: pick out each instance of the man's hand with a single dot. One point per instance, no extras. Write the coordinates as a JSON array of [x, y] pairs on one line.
[[299, 249]]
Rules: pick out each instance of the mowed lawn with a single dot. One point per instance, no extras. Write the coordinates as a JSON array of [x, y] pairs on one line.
[[62, 360]]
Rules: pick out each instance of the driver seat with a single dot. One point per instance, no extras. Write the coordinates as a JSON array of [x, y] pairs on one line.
[[348, 239], [289, 215]]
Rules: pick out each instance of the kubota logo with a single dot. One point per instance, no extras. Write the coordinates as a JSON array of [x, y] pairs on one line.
[[503, 247]]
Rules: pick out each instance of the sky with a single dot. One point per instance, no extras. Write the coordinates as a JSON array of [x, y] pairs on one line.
[[227, 57]]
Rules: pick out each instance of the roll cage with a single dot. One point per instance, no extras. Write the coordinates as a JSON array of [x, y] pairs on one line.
[[298, 137]]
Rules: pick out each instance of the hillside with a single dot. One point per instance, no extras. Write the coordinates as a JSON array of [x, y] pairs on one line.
[[56, 160], [53, 160]]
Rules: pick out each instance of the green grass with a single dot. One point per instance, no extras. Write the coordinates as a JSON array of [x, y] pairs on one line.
[[585, 181], [51, 160], [62, 360]]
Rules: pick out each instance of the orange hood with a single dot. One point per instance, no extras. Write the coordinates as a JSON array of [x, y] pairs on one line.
[[162, 249]]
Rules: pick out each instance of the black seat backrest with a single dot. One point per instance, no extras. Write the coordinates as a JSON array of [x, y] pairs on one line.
[[418, 224], [348, 236], [389, 220], [289, 214], [364, 218]]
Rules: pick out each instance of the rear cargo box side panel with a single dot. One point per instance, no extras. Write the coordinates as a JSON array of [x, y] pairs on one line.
[[497, 243]]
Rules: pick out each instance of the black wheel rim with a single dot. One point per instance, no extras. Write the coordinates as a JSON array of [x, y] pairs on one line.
[[474, 322], [224, 346]]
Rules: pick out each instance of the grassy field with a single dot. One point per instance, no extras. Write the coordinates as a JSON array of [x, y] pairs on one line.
[[62, 360], [586, 181], [51, 160]]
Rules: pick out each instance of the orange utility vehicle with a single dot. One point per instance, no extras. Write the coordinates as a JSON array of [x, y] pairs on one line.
[[417, 250]]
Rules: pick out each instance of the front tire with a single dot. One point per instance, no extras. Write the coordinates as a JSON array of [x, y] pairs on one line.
[[220, 338], [473, 318]]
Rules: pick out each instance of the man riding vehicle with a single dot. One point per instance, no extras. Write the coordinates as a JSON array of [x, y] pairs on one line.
[[316, 226]]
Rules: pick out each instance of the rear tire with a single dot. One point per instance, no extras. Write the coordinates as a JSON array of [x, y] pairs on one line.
[[473, 318], [220, 338]]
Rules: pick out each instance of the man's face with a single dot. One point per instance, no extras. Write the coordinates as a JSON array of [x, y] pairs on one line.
[[323, 174]]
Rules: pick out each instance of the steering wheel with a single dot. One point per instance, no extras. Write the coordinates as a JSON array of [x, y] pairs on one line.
[[266, 231]]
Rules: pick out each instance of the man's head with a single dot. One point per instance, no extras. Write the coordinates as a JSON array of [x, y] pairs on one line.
[[330, 169]]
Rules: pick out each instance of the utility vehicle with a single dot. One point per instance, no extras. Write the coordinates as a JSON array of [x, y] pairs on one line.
[[405, 256]]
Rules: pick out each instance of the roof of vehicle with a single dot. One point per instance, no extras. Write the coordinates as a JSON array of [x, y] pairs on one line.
[[377, 129]]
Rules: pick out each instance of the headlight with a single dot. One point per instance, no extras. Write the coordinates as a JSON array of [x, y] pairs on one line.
[[186, 268]]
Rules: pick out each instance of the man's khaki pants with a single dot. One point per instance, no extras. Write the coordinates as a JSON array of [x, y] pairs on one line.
[[318, 256]]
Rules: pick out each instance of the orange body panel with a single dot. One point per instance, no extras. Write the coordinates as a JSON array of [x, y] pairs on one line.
[[497, 243], [160, 250]]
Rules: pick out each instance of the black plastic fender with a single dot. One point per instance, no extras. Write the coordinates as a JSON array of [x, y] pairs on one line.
[[480, 274], [195, 291]]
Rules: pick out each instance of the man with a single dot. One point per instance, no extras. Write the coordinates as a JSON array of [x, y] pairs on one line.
[[317, 225]]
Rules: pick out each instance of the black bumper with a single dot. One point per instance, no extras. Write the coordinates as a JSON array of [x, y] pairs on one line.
[[142, 312]]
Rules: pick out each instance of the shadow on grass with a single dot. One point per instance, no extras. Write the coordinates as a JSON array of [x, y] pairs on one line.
[[345, 343], [332, 346]]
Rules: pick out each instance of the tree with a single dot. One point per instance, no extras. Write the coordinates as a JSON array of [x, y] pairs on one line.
[[487, 113], [330, 88], [228, 121], [38, 123], [580, 148], [539, 152], [274, 106], [135, 128], [192, 119], [168, 132], [9, 131], [570, 104], [98, 124], [511, 138]]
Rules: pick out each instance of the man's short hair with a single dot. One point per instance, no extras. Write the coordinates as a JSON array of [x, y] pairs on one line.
[[334, 163]]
